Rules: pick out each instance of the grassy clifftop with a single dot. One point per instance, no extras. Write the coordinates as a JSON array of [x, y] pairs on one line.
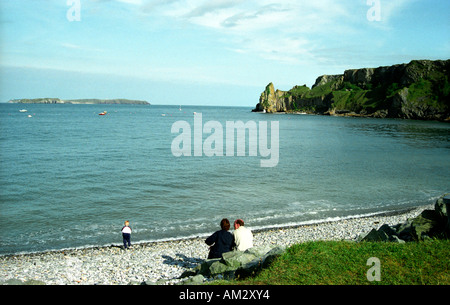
[[417, 90]]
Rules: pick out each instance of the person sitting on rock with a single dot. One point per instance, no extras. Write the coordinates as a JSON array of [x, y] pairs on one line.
[[221, 241], [243, 237]]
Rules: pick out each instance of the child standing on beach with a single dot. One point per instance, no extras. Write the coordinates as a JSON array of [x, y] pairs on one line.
[[126, 234]]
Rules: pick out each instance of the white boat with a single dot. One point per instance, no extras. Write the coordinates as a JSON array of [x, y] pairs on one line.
[[23, 110]]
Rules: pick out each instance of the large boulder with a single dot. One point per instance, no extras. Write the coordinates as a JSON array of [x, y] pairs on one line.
[[442, 206], [404, 230], [236, 259], [203, 268], [237, 263], [259, 263], [429, 224], [194, 280]]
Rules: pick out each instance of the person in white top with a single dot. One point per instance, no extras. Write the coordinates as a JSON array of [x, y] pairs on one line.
[[126, 234], [243, 237]]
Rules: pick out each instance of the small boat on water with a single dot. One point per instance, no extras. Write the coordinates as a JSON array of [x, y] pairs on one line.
[[23, 110], [103, 113]]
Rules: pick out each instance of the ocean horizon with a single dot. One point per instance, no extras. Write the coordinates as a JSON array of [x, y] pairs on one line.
[[70, 177]]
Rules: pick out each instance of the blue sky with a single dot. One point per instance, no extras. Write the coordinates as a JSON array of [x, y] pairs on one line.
[[205, 52]]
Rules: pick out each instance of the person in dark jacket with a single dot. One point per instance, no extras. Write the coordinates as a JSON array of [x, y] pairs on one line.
[[221, 241]]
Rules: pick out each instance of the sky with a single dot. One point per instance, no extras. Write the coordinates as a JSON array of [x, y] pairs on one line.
[[205, 52]]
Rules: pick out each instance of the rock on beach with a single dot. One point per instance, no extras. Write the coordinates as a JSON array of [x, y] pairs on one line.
[[164, 262]]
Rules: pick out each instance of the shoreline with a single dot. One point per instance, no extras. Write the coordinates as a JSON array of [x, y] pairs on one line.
[[205, 235], [355, 115], [162, 262]]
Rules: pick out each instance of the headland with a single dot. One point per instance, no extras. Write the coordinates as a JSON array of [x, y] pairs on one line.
[[416, 90]]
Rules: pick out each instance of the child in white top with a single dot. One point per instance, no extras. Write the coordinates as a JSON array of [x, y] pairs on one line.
[[126, 234]]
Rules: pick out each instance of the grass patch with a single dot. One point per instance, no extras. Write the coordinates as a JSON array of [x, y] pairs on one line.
[[345, 263]]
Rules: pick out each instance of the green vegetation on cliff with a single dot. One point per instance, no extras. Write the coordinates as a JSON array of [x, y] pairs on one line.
[[417, 90]]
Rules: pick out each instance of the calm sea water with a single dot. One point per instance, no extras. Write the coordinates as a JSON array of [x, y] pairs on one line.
[[69, 177]]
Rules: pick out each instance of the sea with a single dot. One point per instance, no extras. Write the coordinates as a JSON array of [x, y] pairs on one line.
[[70, 177]]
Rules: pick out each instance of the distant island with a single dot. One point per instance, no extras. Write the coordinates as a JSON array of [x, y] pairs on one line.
[[417, 90], [80, 101]]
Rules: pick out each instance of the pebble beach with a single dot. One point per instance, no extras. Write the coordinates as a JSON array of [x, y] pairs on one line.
[[163, 262]]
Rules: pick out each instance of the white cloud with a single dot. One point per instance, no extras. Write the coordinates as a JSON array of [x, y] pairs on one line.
[[210, 7], [288, 50], [389, 10], [135, 2], [282, 31], [393, 7], [290, 32]]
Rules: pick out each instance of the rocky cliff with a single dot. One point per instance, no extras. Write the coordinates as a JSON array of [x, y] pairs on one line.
[[417, 90]]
